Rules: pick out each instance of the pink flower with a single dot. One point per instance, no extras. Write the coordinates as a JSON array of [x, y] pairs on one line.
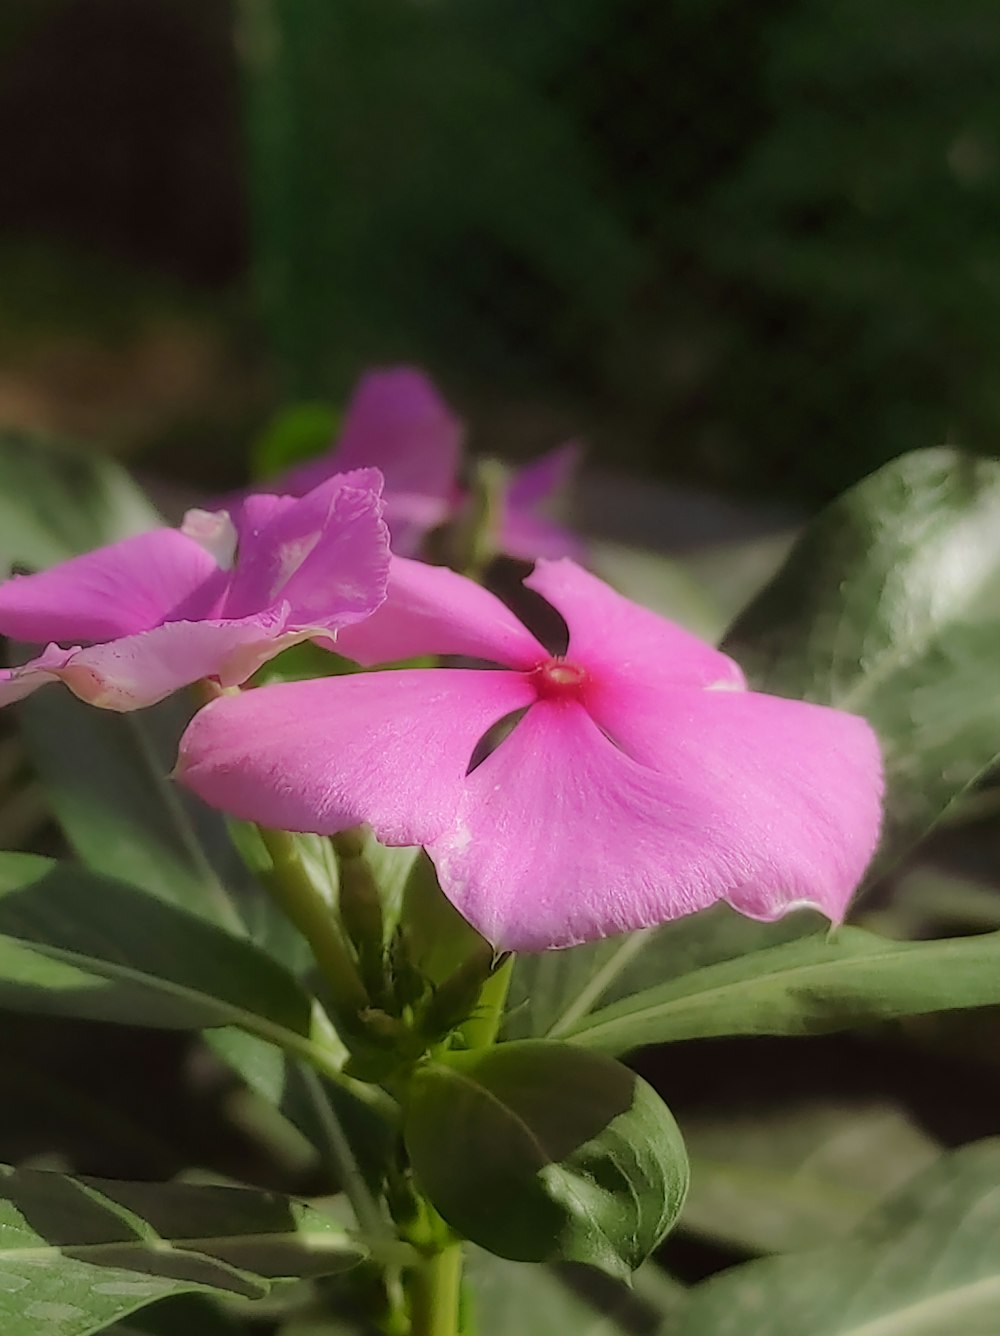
[[162, 609], [398, 423], [642, 782]]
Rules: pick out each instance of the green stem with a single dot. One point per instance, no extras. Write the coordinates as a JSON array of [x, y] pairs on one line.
[[435, 1288], [480, 1030], [307, 908]]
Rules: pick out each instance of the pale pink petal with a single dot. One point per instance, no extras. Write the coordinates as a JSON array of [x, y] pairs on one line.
[[16, 683], [398, 422], [564, 838], [544, 477], [116, 590], [136, 671], [389, 748], [799, 786], [432, 610], [561, 838], [616, 638], [529, 536], [326, 555], [215, 532]]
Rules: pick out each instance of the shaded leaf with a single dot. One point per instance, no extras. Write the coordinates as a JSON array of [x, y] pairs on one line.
[[552, 991], [75, 944], [924, 1264], [56, 502], [778, 1180], [811, 986], [106, 777]]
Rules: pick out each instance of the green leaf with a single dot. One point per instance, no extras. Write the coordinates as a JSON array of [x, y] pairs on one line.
[[552, 991], [74, 944], [56, 502], [106, 777], [924, 1264], [812, 986], [179, 1316], [540, 1152], [78, 1253], [297, 433], [782, 1179], [887, 607]]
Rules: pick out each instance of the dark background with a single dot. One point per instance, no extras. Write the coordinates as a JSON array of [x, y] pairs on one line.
[[749, 246]]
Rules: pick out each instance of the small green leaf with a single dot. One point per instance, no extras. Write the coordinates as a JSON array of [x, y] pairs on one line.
[[297, 433], [924, 1264], [812, 986], [540, 1152], [78, 1253], [887, 607], [75, 944]]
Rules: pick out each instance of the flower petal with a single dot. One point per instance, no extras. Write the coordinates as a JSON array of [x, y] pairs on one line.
[[325, 555], [16, 683], [540, 480], [798, 786], [389, 748], [116, 590], [432, 610], [561, 838], [135, 671], [616, 638], [398, 422]]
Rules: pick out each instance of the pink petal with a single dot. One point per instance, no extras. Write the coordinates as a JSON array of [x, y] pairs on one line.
[[432, 610], [564, 838], [326, 555], [16, 683], [798, 787], [544, 477], [530, 537], [561, 839], [398, 422], [389, 748], [136, 671], [116, 590], [616, 638]]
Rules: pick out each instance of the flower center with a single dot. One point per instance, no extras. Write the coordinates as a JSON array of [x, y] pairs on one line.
[[558, 679]]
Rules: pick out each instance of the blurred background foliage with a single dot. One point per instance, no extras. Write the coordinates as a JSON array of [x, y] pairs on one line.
[[750, 247]]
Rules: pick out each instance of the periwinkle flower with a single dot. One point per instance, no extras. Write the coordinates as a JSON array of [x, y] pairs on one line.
[[642, 780], [398, 422], [155, 612]]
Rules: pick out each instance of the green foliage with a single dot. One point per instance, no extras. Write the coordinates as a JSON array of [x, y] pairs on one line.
[[540, 1152], [847, 979], [56, 502], [925, 1263], [799, 1174], [75, 944], [78, 1253]]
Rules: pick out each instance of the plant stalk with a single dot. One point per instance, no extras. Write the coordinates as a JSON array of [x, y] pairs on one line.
[[435, 1289], [307, 908]]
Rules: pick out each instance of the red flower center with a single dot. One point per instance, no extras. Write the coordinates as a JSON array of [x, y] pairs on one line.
[[558, 679]]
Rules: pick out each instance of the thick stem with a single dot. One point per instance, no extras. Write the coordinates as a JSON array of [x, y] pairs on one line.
[[435, 1289], [304, 904]]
